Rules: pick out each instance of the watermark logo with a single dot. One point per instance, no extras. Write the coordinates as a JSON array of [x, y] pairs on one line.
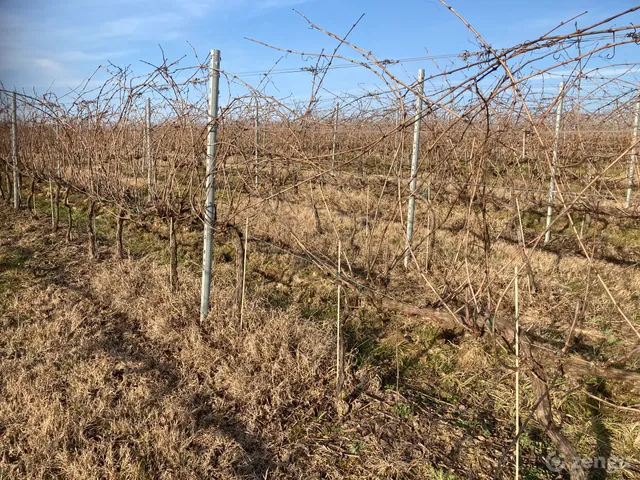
[[556, 463]]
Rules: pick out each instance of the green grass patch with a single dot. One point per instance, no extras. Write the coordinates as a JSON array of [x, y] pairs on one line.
[[13, 261]]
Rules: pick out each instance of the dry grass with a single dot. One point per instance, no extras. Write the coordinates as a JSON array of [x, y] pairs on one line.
[[106, 375]]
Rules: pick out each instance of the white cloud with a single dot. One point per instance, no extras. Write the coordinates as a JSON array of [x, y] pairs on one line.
[[64, 44], [138, 25], [197, 8], [78, 56], [279, 3], [51, 67]]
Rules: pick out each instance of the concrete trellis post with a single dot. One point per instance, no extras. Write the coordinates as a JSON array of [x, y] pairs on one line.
[[14, 151], [56, 198], [56, 131], [414, 165], [150, 163], [634, 153], [210, 207], [336, 113], [552, 182], [58, 165], [53, 208], [256, 125]]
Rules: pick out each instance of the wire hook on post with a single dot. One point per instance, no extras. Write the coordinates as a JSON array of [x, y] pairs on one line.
[[610, 57]]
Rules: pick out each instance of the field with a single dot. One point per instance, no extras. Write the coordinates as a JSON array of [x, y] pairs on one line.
[[336, 345]]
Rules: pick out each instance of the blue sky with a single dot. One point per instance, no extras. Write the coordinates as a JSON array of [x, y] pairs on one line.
[[55, 44]]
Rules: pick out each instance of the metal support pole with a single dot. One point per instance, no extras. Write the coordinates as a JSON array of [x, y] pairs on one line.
[[414, 165], [552, 182], [257, 140], [634, 153], [14, 151], [150, 169], [210, 206], [335, 134]]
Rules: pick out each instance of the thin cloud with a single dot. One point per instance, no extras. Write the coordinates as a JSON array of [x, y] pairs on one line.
[[78, 56], [137, 26], [280, 3], [50, 67]]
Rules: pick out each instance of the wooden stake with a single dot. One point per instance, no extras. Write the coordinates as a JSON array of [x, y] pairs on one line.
[[53, 211], [91, 230], [31, 200], [119, 229], [339, 342], [244, 272], [367, 219], [69, 214], [173, 255], [517, 455], [56, 201], [521, 240]]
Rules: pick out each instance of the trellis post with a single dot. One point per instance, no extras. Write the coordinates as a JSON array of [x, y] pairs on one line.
[[14, 151], [210, 207], [414, 166], [634, 153], [150, 165], [256, 125], [336, 113], [554, 160]]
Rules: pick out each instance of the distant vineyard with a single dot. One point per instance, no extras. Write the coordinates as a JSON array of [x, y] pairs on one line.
[[508, 163]]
